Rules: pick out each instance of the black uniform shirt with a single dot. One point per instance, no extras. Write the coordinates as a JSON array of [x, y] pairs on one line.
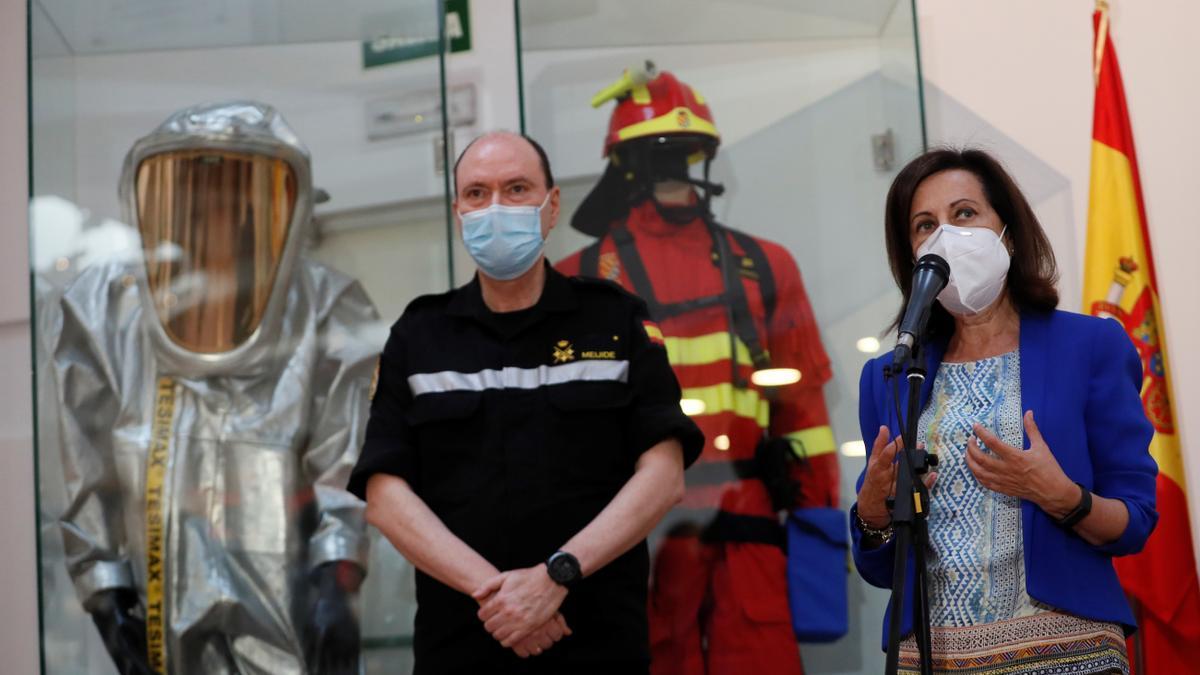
[[517, 429]]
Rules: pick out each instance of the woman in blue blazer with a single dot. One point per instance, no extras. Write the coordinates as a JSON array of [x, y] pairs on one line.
[[1044, 471]]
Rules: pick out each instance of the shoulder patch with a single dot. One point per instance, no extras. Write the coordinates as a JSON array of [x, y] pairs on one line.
[[654, 333]]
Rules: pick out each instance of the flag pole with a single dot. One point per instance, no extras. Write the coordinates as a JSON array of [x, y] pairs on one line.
[[1137, 651]]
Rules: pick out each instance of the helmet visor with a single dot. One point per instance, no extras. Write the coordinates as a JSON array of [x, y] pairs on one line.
[[213, 225]]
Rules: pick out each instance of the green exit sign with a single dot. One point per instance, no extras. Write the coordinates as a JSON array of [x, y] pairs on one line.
[[387, 50]]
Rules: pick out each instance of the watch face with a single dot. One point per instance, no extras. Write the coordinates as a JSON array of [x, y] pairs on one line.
[[563, 568]]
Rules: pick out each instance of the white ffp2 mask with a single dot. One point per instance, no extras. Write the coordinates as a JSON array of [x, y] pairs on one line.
[[978, 266]]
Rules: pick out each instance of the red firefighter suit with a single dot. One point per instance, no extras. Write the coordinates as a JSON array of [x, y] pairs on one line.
[[718, 602]]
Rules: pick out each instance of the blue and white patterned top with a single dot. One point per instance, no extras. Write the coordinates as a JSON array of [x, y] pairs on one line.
[[976, 561]]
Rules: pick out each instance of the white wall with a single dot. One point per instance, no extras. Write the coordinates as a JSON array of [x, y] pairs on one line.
[[1025, 68], [19, 638]]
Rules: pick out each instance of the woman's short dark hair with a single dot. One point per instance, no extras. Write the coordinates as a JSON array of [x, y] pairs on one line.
[[1032, 272]]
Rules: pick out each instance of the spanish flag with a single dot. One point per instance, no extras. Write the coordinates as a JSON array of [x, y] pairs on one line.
[[1119, 283]]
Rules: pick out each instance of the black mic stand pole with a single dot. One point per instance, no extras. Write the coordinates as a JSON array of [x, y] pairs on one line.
[[910, 510]]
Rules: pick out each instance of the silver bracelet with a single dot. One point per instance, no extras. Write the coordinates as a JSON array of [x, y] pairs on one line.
[[883, 535]]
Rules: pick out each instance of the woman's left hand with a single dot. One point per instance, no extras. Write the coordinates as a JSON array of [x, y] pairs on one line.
[[1033, 475]]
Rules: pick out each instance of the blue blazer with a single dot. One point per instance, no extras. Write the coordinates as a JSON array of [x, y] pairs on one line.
[[1082, 378]]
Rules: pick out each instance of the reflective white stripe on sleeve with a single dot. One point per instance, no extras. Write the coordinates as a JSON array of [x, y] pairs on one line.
[[519, 378]]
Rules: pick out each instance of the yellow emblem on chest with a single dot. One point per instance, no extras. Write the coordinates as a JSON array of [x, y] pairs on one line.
[[563, 351]]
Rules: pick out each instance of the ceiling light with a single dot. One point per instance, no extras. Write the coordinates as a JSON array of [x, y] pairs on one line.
[[868, 345], [854, 449], [775, 377]]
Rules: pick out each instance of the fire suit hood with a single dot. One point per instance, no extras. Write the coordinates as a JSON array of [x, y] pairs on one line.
[[219, 194]]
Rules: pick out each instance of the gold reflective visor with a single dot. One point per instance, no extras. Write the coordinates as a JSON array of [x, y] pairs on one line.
[[213, 226]]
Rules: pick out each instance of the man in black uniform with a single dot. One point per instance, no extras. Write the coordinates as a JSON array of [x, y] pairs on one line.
[[525, 437]]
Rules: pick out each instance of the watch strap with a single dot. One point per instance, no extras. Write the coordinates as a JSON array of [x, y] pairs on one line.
[[1080, 511]]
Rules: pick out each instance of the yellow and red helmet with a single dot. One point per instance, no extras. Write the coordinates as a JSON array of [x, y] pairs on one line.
[[654, 104]]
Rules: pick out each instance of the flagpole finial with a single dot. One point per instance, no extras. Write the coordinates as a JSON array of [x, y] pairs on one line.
[[1101, 39]]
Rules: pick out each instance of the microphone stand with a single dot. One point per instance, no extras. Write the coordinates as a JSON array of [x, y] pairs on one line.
[[910, 511]]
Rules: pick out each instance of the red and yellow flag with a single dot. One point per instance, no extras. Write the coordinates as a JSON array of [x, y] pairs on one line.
[[1119, 282]]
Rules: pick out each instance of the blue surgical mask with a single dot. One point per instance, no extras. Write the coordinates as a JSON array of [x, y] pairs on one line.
[[504, 241]]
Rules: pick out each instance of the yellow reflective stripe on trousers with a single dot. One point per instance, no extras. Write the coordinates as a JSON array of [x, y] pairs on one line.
[[724, 397], [812, 441], [156, 473], [704, 349]]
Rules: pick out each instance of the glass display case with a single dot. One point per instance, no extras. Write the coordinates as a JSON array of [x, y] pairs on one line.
[[812, 107], [275, 230], [232, 202]]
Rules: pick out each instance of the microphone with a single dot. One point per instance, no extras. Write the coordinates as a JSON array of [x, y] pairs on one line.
[[930, 276]]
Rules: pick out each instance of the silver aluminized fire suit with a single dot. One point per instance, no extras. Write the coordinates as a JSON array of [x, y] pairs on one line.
[[213, 399]]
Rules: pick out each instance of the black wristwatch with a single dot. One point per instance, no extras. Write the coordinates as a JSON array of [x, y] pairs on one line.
[[563, 569], [1079, 512]]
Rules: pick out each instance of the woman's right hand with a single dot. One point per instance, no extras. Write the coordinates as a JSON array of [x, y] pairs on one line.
[[879, 482]]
